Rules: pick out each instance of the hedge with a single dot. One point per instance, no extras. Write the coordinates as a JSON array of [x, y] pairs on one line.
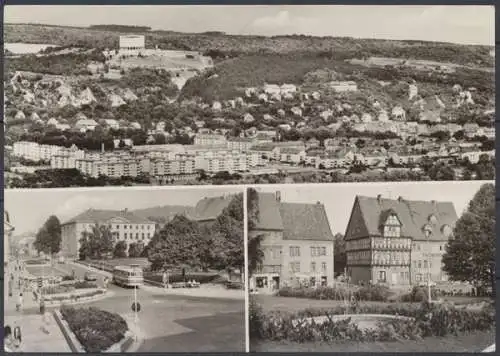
[[97, 330], [427, 320], [176, 278], [368, 293], [76, 297], [420, 294]]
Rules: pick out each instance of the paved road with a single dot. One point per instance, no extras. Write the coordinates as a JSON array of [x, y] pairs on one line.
[[174, 322]]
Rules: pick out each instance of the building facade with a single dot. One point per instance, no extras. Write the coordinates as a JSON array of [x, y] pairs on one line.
[[396, 241], [124, 225], [8, 229], [297, 244]]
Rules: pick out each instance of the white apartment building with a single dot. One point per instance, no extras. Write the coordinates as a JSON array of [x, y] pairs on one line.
[[210, 139], [240, 143], [124, 225]]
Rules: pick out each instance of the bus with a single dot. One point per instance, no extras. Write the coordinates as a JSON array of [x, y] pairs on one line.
[[128, 276]]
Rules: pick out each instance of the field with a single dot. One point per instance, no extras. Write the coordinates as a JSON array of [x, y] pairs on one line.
[[473, 342]]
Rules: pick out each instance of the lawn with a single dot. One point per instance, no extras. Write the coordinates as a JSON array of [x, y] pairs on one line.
[[46, 271], [473, 342]]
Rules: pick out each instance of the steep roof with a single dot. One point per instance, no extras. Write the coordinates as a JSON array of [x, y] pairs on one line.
[[102, 216], [210, 208], [305, 222], [413, 215], [297, 221]]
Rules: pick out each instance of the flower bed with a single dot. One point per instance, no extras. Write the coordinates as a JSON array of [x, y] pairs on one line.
[[367, 293], [74, 296], [426, 320], [68, 286], [97, 330]]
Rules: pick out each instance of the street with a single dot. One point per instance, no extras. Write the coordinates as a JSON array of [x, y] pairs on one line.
[[171, 322]]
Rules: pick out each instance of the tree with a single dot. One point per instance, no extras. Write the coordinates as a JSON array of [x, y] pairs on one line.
[[135, 249], [48, 238], [99, 242], [470, 255], [255, 253], [176, 244], [120, 250], [340, 256]]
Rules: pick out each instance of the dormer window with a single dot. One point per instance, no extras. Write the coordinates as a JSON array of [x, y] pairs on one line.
[[392, 226], [432, 219], [447, 231]]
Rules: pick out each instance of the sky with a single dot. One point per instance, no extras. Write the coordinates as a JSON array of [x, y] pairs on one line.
[[458, 24], [339, 198], [29, 209]]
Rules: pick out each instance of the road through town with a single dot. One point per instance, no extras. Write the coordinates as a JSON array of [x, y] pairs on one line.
[[174, 322]]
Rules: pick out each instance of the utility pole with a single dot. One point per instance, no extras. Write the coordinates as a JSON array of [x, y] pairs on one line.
[[428, 233]]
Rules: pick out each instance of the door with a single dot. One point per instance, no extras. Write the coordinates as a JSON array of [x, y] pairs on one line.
[[394, 278]]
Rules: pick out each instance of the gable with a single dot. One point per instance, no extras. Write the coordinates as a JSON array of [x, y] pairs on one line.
[[356, 227]]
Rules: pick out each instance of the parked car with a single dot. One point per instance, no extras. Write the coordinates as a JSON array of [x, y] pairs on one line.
[[89, 277]]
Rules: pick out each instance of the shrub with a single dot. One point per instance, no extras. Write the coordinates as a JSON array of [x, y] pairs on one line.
[[419, 294], [84, 285], [426, 320], [68, 278], [376, 293], [96, 329]]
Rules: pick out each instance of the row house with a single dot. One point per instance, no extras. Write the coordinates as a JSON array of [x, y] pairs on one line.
[[267, 151], [475, 156]]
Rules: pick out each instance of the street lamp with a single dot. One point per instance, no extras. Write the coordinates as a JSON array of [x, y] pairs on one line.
[[428, 233]]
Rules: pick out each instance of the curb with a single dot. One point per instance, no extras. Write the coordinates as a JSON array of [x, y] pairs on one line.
[[71, 339], [80, 300], [179, 292]]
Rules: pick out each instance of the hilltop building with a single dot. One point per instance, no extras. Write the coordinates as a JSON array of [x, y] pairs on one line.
[[397, 241], [132, 43], [297, 244]]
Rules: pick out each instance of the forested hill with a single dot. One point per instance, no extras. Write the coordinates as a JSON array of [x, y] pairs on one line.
[[221, 45]]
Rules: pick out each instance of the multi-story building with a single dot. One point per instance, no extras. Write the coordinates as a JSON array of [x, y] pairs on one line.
[[297, 243], [397, 241], [210, 139], [124, 226], [239, 143]]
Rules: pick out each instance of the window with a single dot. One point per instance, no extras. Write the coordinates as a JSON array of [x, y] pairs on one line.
[[402, 275], [117, 226], [381, 276], [313, 266], [425, 263], [125, 236], [294, 251], [143, 236], [125, 226], [323, 251], [294, 267], [137, 236], [419, 264], [323, 267]]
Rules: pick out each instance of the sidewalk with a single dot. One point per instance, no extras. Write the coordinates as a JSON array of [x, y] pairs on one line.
[[136, 331], [205, 291], [35, 339]]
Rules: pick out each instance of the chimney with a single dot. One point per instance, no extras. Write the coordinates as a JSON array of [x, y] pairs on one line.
[[278, 196], [400, 199]]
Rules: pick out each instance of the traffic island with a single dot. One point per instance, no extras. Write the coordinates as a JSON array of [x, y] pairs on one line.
[[94, 330]]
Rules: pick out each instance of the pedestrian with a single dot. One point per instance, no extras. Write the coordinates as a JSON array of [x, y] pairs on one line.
[[7, 338], [17, 336], [20, 303]]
